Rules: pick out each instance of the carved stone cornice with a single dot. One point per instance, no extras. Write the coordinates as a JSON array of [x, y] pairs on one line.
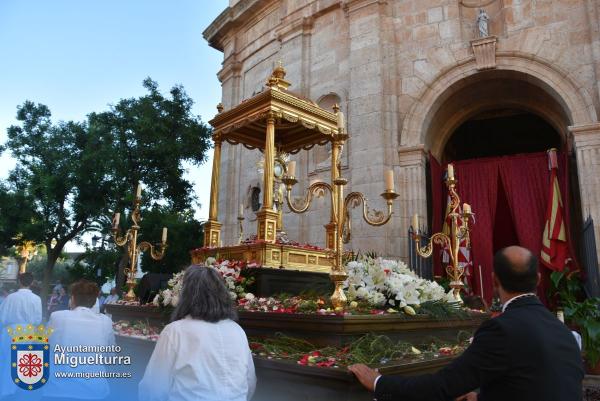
[[586, 136], [351, 6], [412, 155], [231, 69], [231, 18], [300, 26]]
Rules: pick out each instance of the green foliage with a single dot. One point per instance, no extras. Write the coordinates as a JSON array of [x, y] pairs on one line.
[[566, 290], [351, 256], [87, 265], [185, 234], [148, 138], [72, 176], [63, 194], [59, 274], [586, 316], [371, 349], [565, 287], [444, 281], [16, 210], [441, 310]]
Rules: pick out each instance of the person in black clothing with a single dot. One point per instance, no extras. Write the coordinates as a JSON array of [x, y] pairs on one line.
[[524, 354]]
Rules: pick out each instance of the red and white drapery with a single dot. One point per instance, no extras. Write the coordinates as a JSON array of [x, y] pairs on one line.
[[509, 196]]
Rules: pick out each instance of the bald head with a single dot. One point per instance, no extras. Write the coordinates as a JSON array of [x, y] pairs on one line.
[[516, 269]]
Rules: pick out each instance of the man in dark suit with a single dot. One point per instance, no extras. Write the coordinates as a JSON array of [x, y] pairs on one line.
[[525, 354]]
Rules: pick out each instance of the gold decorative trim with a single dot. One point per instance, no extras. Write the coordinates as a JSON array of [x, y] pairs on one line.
[[269, 256]]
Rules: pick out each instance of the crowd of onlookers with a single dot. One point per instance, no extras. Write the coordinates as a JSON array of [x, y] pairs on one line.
[[59, 298], [74, 315], [524, 353]]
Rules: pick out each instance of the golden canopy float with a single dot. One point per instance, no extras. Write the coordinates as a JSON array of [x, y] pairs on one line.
[[277, 121], [273, 121]]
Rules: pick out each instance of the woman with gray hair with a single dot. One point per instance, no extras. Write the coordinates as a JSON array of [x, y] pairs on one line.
[[202, 354]]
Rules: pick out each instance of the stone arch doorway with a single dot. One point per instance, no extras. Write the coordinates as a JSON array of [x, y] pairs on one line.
[[531, 94], [494, 113], [507, 131], [551, 93]]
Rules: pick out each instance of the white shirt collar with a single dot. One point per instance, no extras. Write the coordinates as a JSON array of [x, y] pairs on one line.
[[24, 289], [529, 294]]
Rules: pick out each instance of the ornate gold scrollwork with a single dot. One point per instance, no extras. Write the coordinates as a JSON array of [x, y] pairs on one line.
[[299, 205]]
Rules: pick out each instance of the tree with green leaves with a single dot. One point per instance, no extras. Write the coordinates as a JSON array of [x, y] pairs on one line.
[[75, 175], [150, 137], [66, 195], [16, 210]]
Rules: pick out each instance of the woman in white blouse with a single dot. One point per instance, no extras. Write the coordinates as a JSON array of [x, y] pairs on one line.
[[202, 355]]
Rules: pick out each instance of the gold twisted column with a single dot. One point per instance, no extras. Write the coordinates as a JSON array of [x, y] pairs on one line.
[[267, 217], [212, 228], [331, 228], [269, 162]]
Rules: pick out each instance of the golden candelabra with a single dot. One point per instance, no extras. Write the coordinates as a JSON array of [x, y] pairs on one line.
[[134, 248], [458, 231], [339, 230]]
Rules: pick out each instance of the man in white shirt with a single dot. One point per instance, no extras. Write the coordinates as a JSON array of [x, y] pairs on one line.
[[79, 327], [22, 307]]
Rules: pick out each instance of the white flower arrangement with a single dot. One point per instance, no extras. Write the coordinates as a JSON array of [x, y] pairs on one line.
[[382, 282]]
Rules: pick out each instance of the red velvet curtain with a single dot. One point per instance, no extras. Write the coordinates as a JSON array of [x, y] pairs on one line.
[[526, 181], [478, 186], [508, 196]]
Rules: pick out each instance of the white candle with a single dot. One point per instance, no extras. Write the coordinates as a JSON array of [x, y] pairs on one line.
[[138, 193], [241, 210], [340, 120], [481, 281], [466, 208], [415, 222], [164, 235], [389, 180], [116, 219], [450, 172], [291, 168]]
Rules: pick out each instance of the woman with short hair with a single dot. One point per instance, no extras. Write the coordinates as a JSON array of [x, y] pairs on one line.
[[202, 354]]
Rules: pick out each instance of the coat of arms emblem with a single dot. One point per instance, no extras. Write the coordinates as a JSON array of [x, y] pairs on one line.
[[30, 356]]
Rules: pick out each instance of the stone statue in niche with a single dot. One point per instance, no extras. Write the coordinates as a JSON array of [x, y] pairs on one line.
[[483, 23]]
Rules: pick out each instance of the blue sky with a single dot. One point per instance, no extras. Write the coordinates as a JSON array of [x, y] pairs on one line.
[[78, 56]]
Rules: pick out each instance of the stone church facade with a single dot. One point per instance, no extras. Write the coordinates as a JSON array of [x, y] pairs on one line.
[[408, 74]]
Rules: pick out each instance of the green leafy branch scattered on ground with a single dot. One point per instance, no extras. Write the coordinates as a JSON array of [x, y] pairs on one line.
[[370, 349], [441, 310]]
